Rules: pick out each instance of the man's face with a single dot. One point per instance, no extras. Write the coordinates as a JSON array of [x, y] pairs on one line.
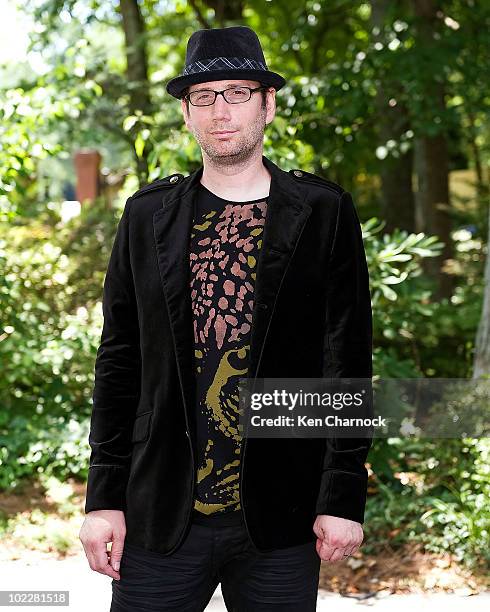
[[246, 121]]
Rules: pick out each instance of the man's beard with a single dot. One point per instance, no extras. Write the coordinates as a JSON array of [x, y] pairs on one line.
[[239, 148]]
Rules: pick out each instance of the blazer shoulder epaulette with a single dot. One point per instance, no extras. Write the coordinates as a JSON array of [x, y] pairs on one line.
[[302, 176], [169, 181]]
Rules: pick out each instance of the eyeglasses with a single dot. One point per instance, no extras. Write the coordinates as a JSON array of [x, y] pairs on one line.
[[233, 95]]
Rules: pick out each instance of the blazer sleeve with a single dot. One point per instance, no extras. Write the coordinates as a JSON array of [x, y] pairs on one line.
[[117, 381], [347, 354]]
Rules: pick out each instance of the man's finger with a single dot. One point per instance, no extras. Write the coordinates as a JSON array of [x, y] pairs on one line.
[[100, 560], [117, 551], [326, 550], [350, 551]]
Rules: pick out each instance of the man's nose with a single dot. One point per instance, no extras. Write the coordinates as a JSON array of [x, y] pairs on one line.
[[220, 108]]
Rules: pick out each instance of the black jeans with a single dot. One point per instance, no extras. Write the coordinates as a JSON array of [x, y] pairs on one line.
[[218, 552]]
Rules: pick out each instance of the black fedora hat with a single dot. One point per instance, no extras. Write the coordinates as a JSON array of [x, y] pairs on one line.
[[216, 54]]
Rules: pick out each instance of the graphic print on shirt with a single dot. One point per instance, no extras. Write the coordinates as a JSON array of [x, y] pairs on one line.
[[225, 243]]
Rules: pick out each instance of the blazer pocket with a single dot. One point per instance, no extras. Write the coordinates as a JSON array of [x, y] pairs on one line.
[[141, 427]]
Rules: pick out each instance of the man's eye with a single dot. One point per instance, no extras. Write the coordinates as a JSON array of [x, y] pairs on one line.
[[204, 96]]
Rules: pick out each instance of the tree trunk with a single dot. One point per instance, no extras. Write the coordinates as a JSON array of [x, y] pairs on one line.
[[432, 204], [137, 74], [481, 364], [397, 198], [224, 11], [432, 162]]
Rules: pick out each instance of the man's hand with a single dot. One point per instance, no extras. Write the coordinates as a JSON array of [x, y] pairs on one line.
[[99, 528], [337, 537]]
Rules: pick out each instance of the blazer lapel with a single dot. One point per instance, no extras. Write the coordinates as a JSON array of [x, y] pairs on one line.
[[287, 213], [172, 225]]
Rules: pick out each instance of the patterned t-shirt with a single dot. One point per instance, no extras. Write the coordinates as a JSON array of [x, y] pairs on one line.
[[225, 242]]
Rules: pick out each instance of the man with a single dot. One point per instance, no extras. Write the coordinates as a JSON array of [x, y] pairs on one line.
[[240, 269]]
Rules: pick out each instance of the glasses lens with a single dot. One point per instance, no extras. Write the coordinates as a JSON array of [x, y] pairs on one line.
[[202, 97], [237, 94], [205, 97]]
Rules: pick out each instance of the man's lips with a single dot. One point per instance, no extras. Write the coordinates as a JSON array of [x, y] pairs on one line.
[[224, 132]]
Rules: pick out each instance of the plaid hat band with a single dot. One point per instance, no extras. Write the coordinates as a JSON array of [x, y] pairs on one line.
[[220, 63]]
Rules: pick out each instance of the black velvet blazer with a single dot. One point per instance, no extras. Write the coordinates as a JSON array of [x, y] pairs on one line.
[[311, 318]]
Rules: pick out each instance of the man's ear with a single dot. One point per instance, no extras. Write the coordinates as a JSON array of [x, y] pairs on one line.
[[184, 112], [271, 113]]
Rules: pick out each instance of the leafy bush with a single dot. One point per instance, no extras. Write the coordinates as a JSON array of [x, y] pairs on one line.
[[51, 278], [432, 491]]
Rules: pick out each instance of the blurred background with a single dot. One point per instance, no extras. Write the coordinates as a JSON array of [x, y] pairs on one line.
[[389, 99]]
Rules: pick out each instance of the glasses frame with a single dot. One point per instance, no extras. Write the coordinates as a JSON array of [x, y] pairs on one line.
[[216, 93]]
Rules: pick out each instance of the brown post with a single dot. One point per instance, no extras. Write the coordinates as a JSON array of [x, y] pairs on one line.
[[87, 162]]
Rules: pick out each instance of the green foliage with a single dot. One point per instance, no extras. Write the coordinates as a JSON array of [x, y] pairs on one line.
[[399, 294], [433, 491], [51, 276], [414, 335]]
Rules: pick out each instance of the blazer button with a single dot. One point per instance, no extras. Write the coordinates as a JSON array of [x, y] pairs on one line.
[[263, 306]]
